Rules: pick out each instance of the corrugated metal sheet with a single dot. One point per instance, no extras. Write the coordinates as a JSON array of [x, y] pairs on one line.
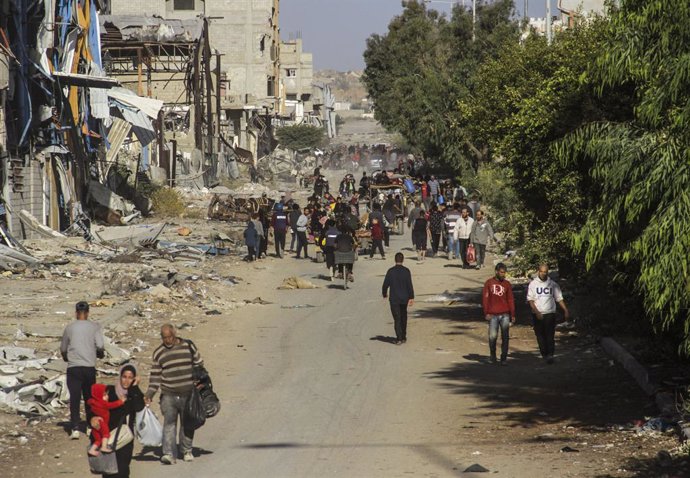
[[116, 135], [141, 124], [4, 71]]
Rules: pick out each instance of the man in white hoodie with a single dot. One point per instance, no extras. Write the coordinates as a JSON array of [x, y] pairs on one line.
[[543, 294], [462, 233]]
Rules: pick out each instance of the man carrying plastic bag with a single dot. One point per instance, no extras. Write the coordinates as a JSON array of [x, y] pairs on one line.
[[149, 429]]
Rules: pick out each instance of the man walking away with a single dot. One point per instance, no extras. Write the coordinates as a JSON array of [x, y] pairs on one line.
[[82, 343], [301, 227], [344, 242], [398, 288], [279, 222], [327, 241], [251, 240], [461, 234], [171, 372], [481, 232], [452, 217], [259, 228], [543, 294], [499, 310]]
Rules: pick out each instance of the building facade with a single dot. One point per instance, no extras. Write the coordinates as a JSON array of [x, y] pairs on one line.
[[297, 75], [245, 32]]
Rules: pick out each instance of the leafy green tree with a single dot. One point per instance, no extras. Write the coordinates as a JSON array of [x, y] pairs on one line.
[[642, 166], [301, 136], [525, 99], [418, 71]]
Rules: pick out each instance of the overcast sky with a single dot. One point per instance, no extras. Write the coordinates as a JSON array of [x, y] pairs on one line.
[[335, 31]]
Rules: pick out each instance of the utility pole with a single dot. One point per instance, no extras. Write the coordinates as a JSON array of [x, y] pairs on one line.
[[474, 19], [524, 11], [548, 22]]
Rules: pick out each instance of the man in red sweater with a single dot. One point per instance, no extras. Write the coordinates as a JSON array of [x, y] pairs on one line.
[[499, 311]]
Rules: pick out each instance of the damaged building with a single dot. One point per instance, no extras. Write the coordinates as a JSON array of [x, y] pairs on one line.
[[244, 93], [62, 118], [306, 101]]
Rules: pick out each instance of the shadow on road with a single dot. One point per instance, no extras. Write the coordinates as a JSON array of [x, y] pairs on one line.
[[385, 339], [677, 467]]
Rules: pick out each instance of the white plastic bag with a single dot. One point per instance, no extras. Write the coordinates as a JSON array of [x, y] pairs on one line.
[[148, 429]]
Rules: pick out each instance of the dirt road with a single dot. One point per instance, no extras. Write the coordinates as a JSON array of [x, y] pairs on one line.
[[311, 386]]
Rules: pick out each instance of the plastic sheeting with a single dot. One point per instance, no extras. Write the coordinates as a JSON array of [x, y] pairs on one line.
[[149, 106]]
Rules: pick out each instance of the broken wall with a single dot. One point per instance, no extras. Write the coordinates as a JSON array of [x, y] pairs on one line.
[[26, 192]]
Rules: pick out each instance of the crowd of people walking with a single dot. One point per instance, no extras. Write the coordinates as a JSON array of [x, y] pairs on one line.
[[334, 227]]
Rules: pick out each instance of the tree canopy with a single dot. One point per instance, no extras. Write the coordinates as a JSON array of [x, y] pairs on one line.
[[641, 166], [418, 71], [301, 136], [590, 133]]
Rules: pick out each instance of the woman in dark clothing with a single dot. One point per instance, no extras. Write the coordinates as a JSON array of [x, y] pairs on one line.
[[420, 232], [127, 386], [436, 224], [266, 223]]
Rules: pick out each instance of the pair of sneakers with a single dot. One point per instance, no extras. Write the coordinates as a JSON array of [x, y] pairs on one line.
[[170, 460]]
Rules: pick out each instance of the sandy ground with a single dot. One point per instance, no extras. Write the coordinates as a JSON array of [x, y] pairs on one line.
[[319, 390]]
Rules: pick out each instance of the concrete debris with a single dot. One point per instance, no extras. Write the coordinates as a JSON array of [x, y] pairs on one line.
[[115, 355], [121, 283], [16, 353], [40, 397], [159, 291], [30, 222], [292, 283], [108, 206], [11, 259], [132, 236]]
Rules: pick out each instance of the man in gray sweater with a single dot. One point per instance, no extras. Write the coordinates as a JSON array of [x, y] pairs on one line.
[[82, 343], [481, 232]]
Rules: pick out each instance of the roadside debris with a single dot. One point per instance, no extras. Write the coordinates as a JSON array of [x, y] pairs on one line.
[[292, 283], [258, 301], [447, 297], [655, 425]]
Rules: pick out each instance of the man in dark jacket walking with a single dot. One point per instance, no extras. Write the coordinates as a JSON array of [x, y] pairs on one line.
[[398, 288], [279, 221]]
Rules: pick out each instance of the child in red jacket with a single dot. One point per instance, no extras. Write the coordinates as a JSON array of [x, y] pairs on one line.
[[100, 407], [377, 238]]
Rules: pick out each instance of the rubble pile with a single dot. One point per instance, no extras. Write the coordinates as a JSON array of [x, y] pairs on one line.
[[135, 277]]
